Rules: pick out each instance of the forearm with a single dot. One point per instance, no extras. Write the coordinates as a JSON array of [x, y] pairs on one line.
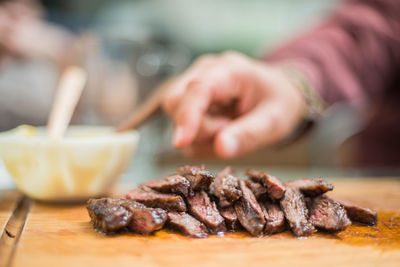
[[352, 56]]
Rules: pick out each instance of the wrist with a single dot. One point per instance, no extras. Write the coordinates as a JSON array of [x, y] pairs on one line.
[[314, 105]]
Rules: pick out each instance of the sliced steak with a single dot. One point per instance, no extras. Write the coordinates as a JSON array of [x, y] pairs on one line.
[[175, 184], [275, 188], [327, 214], [359, 214], [151, 198], [258, 177], [199, 177], [231, 219], [110, 215], [226, 186], [187, 225], [310, 187], [249, 212], [205, 210], [294, 207], [147, 220], [274, 217], [224, 203], [258, 189]]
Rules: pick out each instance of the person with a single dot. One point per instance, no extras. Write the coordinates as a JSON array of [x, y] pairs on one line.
[[33, 54], [230, 104], [23, 33]]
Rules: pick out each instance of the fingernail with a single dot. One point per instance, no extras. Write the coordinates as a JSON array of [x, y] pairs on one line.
[[230, 145], [178, 136]]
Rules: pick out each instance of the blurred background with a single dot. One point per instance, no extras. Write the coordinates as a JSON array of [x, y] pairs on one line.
[[129, 47]]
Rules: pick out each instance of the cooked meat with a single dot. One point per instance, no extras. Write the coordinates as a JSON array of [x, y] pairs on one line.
[[275, 188], [294, 207], [107, 215], [187, 225], [205, 210], [359, 214], [226, 186], [231, 219], [255, 176], [311, 187], [110, 215], [258, 189], [274, 217], [147, 220], [249, 211], [308, 201], [187, 202], [199, 177], [327, 214], [174, 184], [224, 203], [151, 198]]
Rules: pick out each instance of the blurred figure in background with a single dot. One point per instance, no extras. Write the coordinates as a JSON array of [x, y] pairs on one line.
[[230, 104], [226, 104], [24, 33], [31, 51], [34, 52]]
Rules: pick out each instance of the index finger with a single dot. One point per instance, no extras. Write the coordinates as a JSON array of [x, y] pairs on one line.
[[178, 85], [193, 106]]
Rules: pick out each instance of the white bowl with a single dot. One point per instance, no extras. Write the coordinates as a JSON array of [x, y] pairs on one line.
[[86, 163]]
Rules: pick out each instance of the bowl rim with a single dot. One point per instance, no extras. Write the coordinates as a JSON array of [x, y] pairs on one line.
[[107, 135]]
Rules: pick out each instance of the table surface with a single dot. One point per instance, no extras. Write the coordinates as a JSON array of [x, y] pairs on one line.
[[39, 234]]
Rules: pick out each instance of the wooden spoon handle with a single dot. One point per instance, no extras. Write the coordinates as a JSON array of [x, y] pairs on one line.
[[70, 88], [145, 110]]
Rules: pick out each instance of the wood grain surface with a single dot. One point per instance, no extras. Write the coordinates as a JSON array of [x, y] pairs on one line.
[[11, 223], [8, 202], [56, 235]]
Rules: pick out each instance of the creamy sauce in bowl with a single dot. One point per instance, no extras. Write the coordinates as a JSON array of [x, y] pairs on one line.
[[86, 163]]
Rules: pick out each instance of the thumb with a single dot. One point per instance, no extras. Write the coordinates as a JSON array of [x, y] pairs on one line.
[[263, 125]]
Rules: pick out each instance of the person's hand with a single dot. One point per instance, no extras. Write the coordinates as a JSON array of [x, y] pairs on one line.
[[230, 104], [23, 33]]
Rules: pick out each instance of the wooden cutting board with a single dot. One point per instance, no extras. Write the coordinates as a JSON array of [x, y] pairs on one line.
[[56, 235]]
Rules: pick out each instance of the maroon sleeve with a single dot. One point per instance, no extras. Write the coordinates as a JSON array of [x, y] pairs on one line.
[[354, 55]]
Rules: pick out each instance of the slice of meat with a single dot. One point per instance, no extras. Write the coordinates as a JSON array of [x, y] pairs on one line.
[[205, 210], [187, 225], [147, 220], [294, 207], [308, 201], [257, 189], [327, 214], [231, 219], [199, 177], [224, 203], [110, 215], [359, 214], [151, 198], [310, 187], [275, 188], [275, 218], [175, 184], [255, 176], [226, 186], [249, 211]]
